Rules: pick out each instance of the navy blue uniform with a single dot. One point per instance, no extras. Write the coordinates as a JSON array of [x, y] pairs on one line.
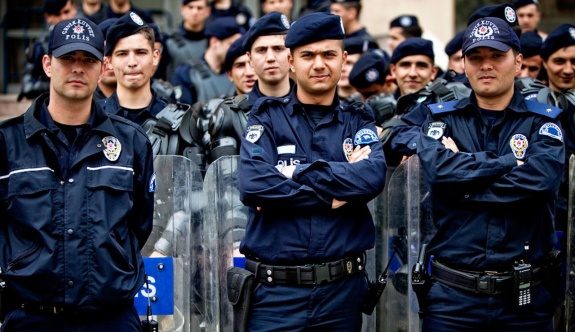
[[74, 215], [296, 224], [112, 106], [485, 206]]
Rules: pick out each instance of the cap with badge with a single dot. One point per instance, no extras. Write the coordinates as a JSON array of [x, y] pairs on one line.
[[53, 7], [358, 45], [106, 24], [413, 46], [274, 23], [314, 27], [404, 21], [531, 43], [454, 44], [125, 26], [235, 51], [369, 69], [504, 11], [561, 37], [157, 33], [522, 3], [223, 28], [490, 32], [76, 34]]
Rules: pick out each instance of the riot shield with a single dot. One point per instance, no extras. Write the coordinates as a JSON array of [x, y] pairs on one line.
[[167, 255], [406, 225], [570, 259], [225, 223]]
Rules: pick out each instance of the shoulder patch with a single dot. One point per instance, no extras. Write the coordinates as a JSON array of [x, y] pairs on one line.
[[436, 129], [152, 183], [257, 108], [443, 107], [254, 133], [545, 110], [552, 130], [365, 136]]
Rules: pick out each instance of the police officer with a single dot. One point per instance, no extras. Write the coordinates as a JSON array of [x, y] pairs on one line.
[[239, 69], [130, 52], [118, 8], [529, 16], [532, 65], [203, 79], [34, 81], [349, 10], [107, 83], [494, 162], [189, 40], [355, 47], [76, 199], [369, 76], [309, 223], [402, 28], [453, 51]]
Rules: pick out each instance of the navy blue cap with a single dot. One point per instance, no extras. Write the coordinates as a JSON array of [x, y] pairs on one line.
[[127, 25], [522, 3], [490, 32], [404, 21], [223, 27], [106, 24], [274, 23], [77, 34], [369, 69], [454, 44], [235, 51], [345, 1], [53, 7], [530, 44], [561, 37], [355, 45], [314, 27], [504, 11], [413, 46], [157, 33]]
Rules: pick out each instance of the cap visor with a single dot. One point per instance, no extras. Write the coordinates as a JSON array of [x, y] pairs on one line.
[[72, 47], [489, 43]]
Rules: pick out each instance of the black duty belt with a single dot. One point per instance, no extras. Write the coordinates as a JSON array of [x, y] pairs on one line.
[[68, 310], [483, 283], [310, 274]]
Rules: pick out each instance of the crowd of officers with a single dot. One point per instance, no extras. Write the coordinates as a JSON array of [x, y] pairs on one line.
[[193, 89]]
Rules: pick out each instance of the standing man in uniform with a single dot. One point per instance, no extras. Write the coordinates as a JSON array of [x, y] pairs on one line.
[[76, 199], [309, 225], [349, 11], [494, 162], [131, 54], [265, 46], [203, 79], [189, 41], [239, 69], [529, 16]]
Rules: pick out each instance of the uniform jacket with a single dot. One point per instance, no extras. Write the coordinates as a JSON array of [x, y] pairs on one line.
[[112, 106], [297, 224], [485, 206], [73, 221]]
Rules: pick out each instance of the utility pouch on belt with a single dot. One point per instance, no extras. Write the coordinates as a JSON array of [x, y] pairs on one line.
[[553, 278], [374, 291], [240, 290]]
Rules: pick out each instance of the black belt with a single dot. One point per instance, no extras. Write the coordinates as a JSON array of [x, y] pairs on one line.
[[483, 283], [311, 274], [68, 310]]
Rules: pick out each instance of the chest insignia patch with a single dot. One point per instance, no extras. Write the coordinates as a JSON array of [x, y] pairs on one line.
[[254, 133], [365, 136], [152, 184], [113, 148], [519, 144], [436, 129], [347, 148], [552, 130]]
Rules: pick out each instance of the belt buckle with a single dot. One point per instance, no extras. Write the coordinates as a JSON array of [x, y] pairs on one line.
[[321, 272]]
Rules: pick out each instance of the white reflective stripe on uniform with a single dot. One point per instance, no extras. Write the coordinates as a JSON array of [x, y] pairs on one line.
[[27, 170], [114, 167]]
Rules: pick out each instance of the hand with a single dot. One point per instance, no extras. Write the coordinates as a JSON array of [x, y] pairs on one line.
[[157, 254], [359, 154], [335, 204], [520, 162], [449, 143], [288, 171]]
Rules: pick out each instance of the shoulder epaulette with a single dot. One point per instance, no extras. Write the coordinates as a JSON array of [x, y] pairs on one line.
[[257, 109], [443, 107], [8, 121], [543, 109]]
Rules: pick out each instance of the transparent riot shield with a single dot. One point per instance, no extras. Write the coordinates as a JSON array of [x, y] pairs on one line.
[[570, 259], [225, 223], [407, 224], [167, 255]]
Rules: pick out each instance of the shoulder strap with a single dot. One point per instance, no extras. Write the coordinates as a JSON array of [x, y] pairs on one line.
[[444, 107]]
